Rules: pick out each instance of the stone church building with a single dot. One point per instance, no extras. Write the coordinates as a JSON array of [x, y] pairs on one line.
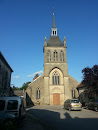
[[55, 85]]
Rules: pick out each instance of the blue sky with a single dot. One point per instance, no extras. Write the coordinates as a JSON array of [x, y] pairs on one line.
[[25, 23]]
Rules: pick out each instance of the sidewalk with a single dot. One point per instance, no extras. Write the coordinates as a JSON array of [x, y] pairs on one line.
[[31, 123]]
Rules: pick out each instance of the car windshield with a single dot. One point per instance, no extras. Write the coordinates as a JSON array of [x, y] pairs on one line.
[[2, 105], [74, 101]]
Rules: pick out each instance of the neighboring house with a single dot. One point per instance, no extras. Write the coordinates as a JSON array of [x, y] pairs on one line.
[[55, 85], [82, 97], [5, 77], [21, 93], [80, 88]]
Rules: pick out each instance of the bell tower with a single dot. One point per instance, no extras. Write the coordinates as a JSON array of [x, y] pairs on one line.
[[55, 67], [55, 85]]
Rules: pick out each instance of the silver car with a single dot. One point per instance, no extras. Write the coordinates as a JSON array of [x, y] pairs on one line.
[[72, 104]]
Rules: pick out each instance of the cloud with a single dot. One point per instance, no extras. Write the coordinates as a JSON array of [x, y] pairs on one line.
[[16, 77], [32, 75]]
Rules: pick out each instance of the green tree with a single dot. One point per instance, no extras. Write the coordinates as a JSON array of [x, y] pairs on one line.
[[36, 75], [90, 80], [25, 85], [15, 88]]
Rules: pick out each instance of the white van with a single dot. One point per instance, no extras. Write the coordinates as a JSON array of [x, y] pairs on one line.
[[11, 108]]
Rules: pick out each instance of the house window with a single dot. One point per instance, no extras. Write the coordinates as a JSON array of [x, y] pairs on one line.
[[55, 78], [62, 56], [48, 56], [55, 56], [38, 93], [73, 93]]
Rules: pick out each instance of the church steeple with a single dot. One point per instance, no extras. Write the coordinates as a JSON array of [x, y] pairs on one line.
[[53, 29], [53, 26]]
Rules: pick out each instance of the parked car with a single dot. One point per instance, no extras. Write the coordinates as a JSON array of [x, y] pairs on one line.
[[11, 109], [72, 104], [92, 104]]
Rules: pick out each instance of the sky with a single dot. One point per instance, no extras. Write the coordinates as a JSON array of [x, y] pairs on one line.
[[25, 23]]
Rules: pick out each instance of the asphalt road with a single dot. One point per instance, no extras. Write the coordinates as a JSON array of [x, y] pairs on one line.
[[58, 118]]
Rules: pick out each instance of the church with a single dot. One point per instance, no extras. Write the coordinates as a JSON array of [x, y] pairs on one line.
[[55, 85]]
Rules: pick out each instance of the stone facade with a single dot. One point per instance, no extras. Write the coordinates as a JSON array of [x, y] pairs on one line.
[[55, 85], [37, 84], [5, 77]]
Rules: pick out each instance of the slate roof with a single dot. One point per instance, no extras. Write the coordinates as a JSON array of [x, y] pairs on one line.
[[54, 41], [81, 85]]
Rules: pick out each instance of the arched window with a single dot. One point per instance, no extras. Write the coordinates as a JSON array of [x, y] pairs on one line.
[[73, 93], [62, 56], [38, 93], [55, 78], [53, 32], [55, 56], [48, 56]]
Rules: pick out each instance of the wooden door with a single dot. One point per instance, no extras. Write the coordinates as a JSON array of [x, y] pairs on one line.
[[56, 99]]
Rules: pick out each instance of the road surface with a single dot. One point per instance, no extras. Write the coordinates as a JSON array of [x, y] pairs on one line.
[[61, 119]]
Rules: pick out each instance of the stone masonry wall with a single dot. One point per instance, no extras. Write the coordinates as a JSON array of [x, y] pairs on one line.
[[32, 89], [73, 84]]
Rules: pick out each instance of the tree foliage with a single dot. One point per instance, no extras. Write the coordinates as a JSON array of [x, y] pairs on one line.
[[25, 85], [36, 75], [90, 80], [15, 88]]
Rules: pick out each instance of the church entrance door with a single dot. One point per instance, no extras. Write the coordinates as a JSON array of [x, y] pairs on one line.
[[56, 99]]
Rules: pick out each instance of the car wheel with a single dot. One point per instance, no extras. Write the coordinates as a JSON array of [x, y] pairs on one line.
[[96, 109]]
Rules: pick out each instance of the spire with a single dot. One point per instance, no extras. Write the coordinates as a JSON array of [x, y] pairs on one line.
[[53, 29], [53, 26]]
